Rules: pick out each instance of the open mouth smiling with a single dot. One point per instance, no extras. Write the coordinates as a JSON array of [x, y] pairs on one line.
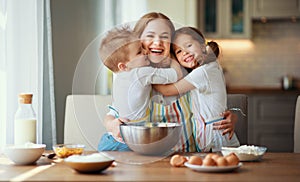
[[156, 51], [188, 59]]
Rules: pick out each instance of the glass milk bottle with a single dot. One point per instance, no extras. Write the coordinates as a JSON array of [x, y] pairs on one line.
[[25, 121]]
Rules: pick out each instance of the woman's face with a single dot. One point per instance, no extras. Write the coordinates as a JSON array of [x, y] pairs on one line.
[[156, 39], [188, 51]]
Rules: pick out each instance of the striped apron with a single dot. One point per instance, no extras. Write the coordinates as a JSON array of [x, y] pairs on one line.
[[178, 111]]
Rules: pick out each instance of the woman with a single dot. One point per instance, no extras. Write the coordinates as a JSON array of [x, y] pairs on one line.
[[156, 30]]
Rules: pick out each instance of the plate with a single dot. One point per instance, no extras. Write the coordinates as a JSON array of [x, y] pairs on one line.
[[213, 169]]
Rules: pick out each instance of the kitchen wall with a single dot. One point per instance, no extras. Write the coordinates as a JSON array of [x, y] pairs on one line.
[[261, 61], [273, 51], [181, 12], [75, 23]]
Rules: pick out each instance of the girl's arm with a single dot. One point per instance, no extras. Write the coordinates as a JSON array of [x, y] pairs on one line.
[[180, 87]]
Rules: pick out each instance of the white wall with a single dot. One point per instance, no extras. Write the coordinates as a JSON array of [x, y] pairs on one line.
[[181, 12], [274, 52], [75, 23]]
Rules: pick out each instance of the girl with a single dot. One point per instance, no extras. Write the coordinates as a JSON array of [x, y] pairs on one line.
[[207, 86]]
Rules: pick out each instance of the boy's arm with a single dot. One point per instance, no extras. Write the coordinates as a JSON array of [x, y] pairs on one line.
[[180, 87], [112, 124], [175, 65]]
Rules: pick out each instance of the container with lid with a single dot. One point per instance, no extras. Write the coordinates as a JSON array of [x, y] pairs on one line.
[[25, 121]]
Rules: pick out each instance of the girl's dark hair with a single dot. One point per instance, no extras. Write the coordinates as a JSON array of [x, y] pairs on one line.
[[193, 32], [215, 47]]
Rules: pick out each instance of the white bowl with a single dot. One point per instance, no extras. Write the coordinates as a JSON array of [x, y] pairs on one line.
[[246, 152], [24, 154], [93, 163]]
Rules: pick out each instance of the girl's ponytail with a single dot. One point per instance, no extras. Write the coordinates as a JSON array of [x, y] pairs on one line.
[[214, 47]]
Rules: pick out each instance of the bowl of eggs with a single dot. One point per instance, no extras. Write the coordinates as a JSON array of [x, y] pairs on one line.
[[24, 154], [245, 152], [151, 139]]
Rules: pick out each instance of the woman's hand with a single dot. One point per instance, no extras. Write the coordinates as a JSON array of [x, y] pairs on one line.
[[228, 124], [112, 125], [176, 66]]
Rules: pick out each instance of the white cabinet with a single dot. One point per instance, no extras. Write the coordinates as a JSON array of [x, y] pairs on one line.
[[276, 8], [224, 18]]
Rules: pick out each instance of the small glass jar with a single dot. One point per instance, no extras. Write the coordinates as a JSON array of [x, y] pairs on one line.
[[25, 121]]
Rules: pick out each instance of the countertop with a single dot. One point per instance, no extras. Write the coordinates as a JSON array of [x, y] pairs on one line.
[[261, 90], [273, 167]]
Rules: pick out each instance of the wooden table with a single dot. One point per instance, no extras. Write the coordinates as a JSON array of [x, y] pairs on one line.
[[273, 167]]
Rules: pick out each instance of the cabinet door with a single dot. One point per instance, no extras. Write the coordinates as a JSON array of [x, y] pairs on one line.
[[237, 24], [224, 18], [271, 121], [276, 8], [209, 18]]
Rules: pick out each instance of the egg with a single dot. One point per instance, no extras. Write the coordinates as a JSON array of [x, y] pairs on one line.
[[209, 155], [232, 159], [208, 161], [215, 156], [177, 160], [195, 160], [221, 161]]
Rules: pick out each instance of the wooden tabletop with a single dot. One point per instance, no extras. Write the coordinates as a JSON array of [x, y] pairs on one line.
[[273, 167]]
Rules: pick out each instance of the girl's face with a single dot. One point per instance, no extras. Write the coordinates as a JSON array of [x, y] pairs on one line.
[[188, 51], [156, 39]]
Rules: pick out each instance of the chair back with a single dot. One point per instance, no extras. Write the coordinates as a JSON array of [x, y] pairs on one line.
[[297, 127], [84, 119], [241, 127]]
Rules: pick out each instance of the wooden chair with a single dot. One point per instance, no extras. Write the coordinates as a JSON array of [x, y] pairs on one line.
[[297, 127], [84, 119], [241, 127]]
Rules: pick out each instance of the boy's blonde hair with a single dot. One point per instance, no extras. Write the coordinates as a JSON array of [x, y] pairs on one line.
[[114, 47]]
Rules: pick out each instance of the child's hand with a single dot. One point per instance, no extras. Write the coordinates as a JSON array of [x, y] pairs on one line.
[[112, 125]]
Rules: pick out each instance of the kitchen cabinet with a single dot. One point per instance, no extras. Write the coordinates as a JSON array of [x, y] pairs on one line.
[[224, 18], [276, 8], [271, 120]]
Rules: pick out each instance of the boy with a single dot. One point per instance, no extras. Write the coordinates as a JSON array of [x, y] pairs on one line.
[[121, 51]]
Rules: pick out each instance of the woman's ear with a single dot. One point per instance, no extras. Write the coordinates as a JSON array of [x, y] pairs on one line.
[[122, 66]]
